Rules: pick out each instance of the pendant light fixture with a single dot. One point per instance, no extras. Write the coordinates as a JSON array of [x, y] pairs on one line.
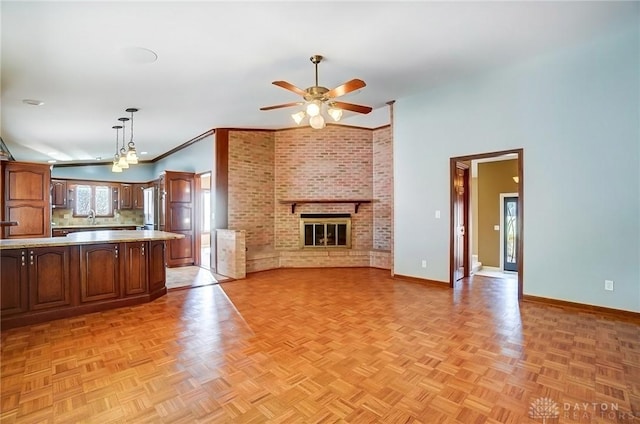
[[125, 155], [116, 167], [132, 157], [122, 162]]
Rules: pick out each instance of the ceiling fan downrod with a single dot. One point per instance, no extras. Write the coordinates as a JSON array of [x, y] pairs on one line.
[[315, 59]]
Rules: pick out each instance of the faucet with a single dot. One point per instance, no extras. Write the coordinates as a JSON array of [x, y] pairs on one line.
[[92, 217]]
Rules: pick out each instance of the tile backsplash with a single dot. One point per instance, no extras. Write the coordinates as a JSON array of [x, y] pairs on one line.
[[63, 217]]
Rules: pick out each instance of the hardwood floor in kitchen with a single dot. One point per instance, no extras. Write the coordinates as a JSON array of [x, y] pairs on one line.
[[324, 346]]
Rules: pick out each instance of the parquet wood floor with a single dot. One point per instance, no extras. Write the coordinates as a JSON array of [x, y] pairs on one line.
[[326, 346], [185, 277]]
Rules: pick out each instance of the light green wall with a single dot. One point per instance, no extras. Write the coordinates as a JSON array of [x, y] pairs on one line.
[[198, 158], [140, 173], [576, 114]]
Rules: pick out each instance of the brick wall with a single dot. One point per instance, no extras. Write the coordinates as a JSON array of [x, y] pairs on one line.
[[334, 163], [251, 185], [382, 188]]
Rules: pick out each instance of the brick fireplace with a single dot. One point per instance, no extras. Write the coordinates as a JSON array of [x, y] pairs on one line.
[[337, 163]]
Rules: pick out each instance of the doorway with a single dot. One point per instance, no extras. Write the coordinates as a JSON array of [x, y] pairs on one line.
[[509, 232], [203, 184], [460, 198], [460, 263]]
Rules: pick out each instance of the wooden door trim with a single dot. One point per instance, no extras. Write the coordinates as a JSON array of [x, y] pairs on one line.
[[520, 245], [197, 216], [220, 190]]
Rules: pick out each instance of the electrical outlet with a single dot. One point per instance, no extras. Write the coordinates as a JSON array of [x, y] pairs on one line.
[[608, 285], [424, 263]]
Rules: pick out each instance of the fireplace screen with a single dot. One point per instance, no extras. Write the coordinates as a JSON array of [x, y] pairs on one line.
[[325, 231]]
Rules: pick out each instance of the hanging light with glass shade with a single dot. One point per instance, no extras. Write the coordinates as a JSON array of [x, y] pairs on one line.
[[122, 162], [115, 167], [132, 157]]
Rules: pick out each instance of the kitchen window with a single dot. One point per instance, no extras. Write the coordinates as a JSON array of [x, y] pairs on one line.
[[92, 197]]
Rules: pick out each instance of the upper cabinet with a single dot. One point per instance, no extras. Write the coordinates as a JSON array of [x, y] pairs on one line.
[[27, 199], [131, 196], [126, 201], [59, 194], [137, 195], [123, 195]]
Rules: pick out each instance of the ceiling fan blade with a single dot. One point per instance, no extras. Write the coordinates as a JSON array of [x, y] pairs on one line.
[[290, 87], [347, 87], [282, 105], [352, 107]]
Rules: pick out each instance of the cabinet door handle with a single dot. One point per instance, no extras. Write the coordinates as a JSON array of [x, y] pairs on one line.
[[116, 251], [142, 249], [24, 260], [31, 257]]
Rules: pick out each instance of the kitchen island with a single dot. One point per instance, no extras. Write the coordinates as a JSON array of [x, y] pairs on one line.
[[43, 279]]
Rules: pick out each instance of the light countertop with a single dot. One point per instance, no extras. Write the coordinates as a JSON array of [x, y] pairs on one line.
[[90, 237]]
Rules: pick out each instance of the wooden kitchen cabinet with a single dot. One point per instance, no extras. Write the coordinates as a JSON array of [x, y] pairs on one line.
[[126, 196], [157, 269], [180, 219], [99, 272], [49, 282], [55, 279], [132, 195], [59, 194], [27, 199], [14, 282], [135, 267], [35, 279], [137, 195]]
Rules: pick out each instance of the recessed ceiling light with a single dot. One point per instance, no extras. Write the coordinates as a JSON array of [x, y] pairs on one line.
[[143, 153], [98, 157], [33, 102], [52, 161], [138, 55]]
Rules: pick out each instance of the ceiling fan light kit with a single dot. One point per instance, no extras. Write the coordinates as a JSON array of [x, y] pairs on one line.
[[319, 101]]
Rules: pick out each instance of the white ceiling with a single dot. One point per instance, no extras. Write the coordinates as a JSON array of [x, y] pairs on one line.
[[216, 61]]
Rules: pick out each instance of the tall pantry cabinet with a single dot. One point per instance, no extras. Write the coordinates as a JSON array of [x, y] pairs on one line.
[[179, 216]]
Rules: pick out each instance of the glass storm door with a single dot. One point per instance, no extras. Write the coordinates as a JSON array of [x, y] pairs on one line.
[[510, 225]]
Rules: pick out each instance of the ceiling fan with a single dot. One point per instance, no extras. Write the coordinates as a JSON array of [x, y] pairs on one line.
[[318, 98]]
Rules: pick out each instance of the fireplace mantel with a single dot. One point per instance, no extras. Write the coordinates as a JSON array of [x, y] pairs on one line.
[[356, 202]]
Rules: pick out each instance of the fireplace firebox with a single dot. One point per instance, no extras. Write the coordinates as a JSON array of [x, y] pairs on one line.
[[325, 231]]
